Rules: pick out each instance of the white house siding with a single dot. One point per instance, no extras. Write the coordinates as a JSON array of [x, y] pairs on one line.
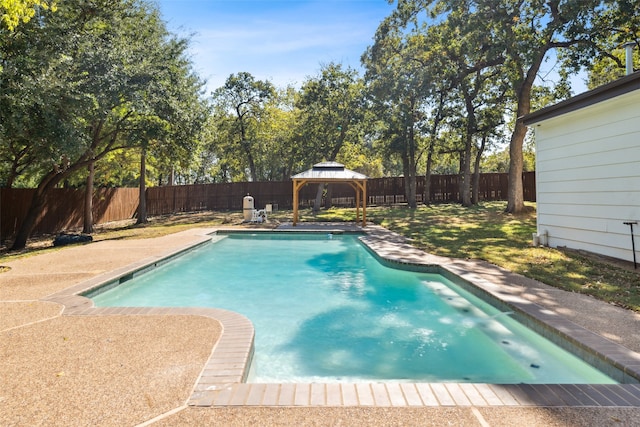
[[588, 177]]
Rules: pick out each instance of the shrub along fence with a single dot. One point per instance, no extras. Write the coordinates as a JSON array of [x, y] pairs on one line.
[[64, 209]]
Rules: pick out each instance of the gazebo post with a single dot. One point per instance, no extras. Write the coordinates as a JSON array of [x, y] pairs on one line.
[[364, 203], [296, 189], [357, 203], [360, 187], [295, 204]]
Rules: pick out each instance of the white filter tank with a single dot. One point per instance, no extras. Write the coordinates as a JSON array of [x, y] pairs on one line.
[[247, 207]]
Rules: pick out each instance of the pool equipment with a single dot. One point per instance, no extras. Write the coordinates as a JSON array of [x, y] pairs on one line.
[[259, 215], [250, 214], [247, 207]]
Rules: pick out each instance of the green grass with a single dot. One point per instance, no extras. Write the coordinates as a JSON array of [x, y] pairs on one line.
[[486, 232]]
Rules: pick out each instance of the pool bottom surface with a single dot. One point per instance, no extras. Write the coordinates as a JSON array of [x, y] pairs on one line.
[[325, 310]]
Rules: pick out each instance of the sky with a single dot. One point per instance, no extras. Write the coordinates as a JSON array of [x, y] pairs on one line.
[[283, 41]]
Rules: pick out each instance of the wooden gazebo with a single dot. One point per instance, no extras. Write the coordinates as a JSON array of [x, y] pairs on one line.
[[331, 173]]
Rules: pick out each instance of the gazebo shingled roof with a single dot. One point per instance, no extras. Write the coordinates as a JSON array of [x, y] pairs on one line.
[[332, 172]]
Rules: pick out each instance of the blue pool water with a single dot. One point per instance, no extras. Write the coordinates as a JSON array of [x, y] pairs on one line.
[[325, 310]]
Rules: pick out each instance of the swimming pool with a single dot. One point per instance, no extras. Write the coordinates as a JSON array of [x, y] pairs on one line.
[[326, 310]]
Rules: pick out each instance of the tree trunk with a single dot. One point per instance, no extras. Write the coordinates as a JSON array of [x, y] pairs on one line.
[[318, 201], [29, 221], [515, 193], [475, 195], [465, 166], [410, 185], [427, 180], [475, 188], [465, 173], [426, 197], [88, 201], [35, 208], [328, 197], [142, 203], [11, 177], [409, 170], [252, 164]]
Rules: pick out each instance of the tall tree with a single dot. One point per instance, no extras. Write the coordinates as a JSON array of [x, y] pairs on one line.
[[281, 153], [87, 225], [401, 77], [526, 32], [100, 62], [245, 99], [474, 66], [532, 31], [177, 116], [34, 103], [330, 106]]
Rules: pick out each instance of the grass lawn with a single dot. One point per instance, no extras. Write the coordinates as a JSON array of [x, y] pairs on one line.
[[481, 232]]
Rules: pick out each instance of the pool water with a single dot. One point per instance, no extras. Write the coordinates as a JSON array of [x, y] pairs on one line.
[[325, 310]]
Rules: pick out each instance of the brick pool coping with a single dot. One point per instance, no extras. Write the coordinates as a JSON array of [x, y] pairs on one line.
[[221, 382]]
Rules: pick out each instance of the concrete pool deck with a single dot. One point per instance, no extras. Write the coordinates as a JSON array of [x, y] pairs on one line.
[[64, 362]]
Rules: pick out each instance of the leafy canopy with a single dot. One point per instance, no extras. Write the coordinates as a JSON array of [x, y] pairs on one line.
[[12, 12]]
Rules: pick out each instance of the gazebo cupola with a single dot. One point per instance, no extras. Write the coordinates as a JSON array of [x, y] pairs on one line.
[[331, 173]]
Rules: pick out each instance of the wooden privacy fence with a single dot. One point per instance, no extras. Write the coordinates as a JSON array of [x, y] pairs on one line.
[[64, 208], [380, 191]]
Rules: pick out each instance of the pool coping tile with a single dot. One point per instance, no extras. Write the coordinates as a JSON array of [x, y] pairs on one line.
[[427, 395], [349, 395], [222, 381], [411, 395]]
